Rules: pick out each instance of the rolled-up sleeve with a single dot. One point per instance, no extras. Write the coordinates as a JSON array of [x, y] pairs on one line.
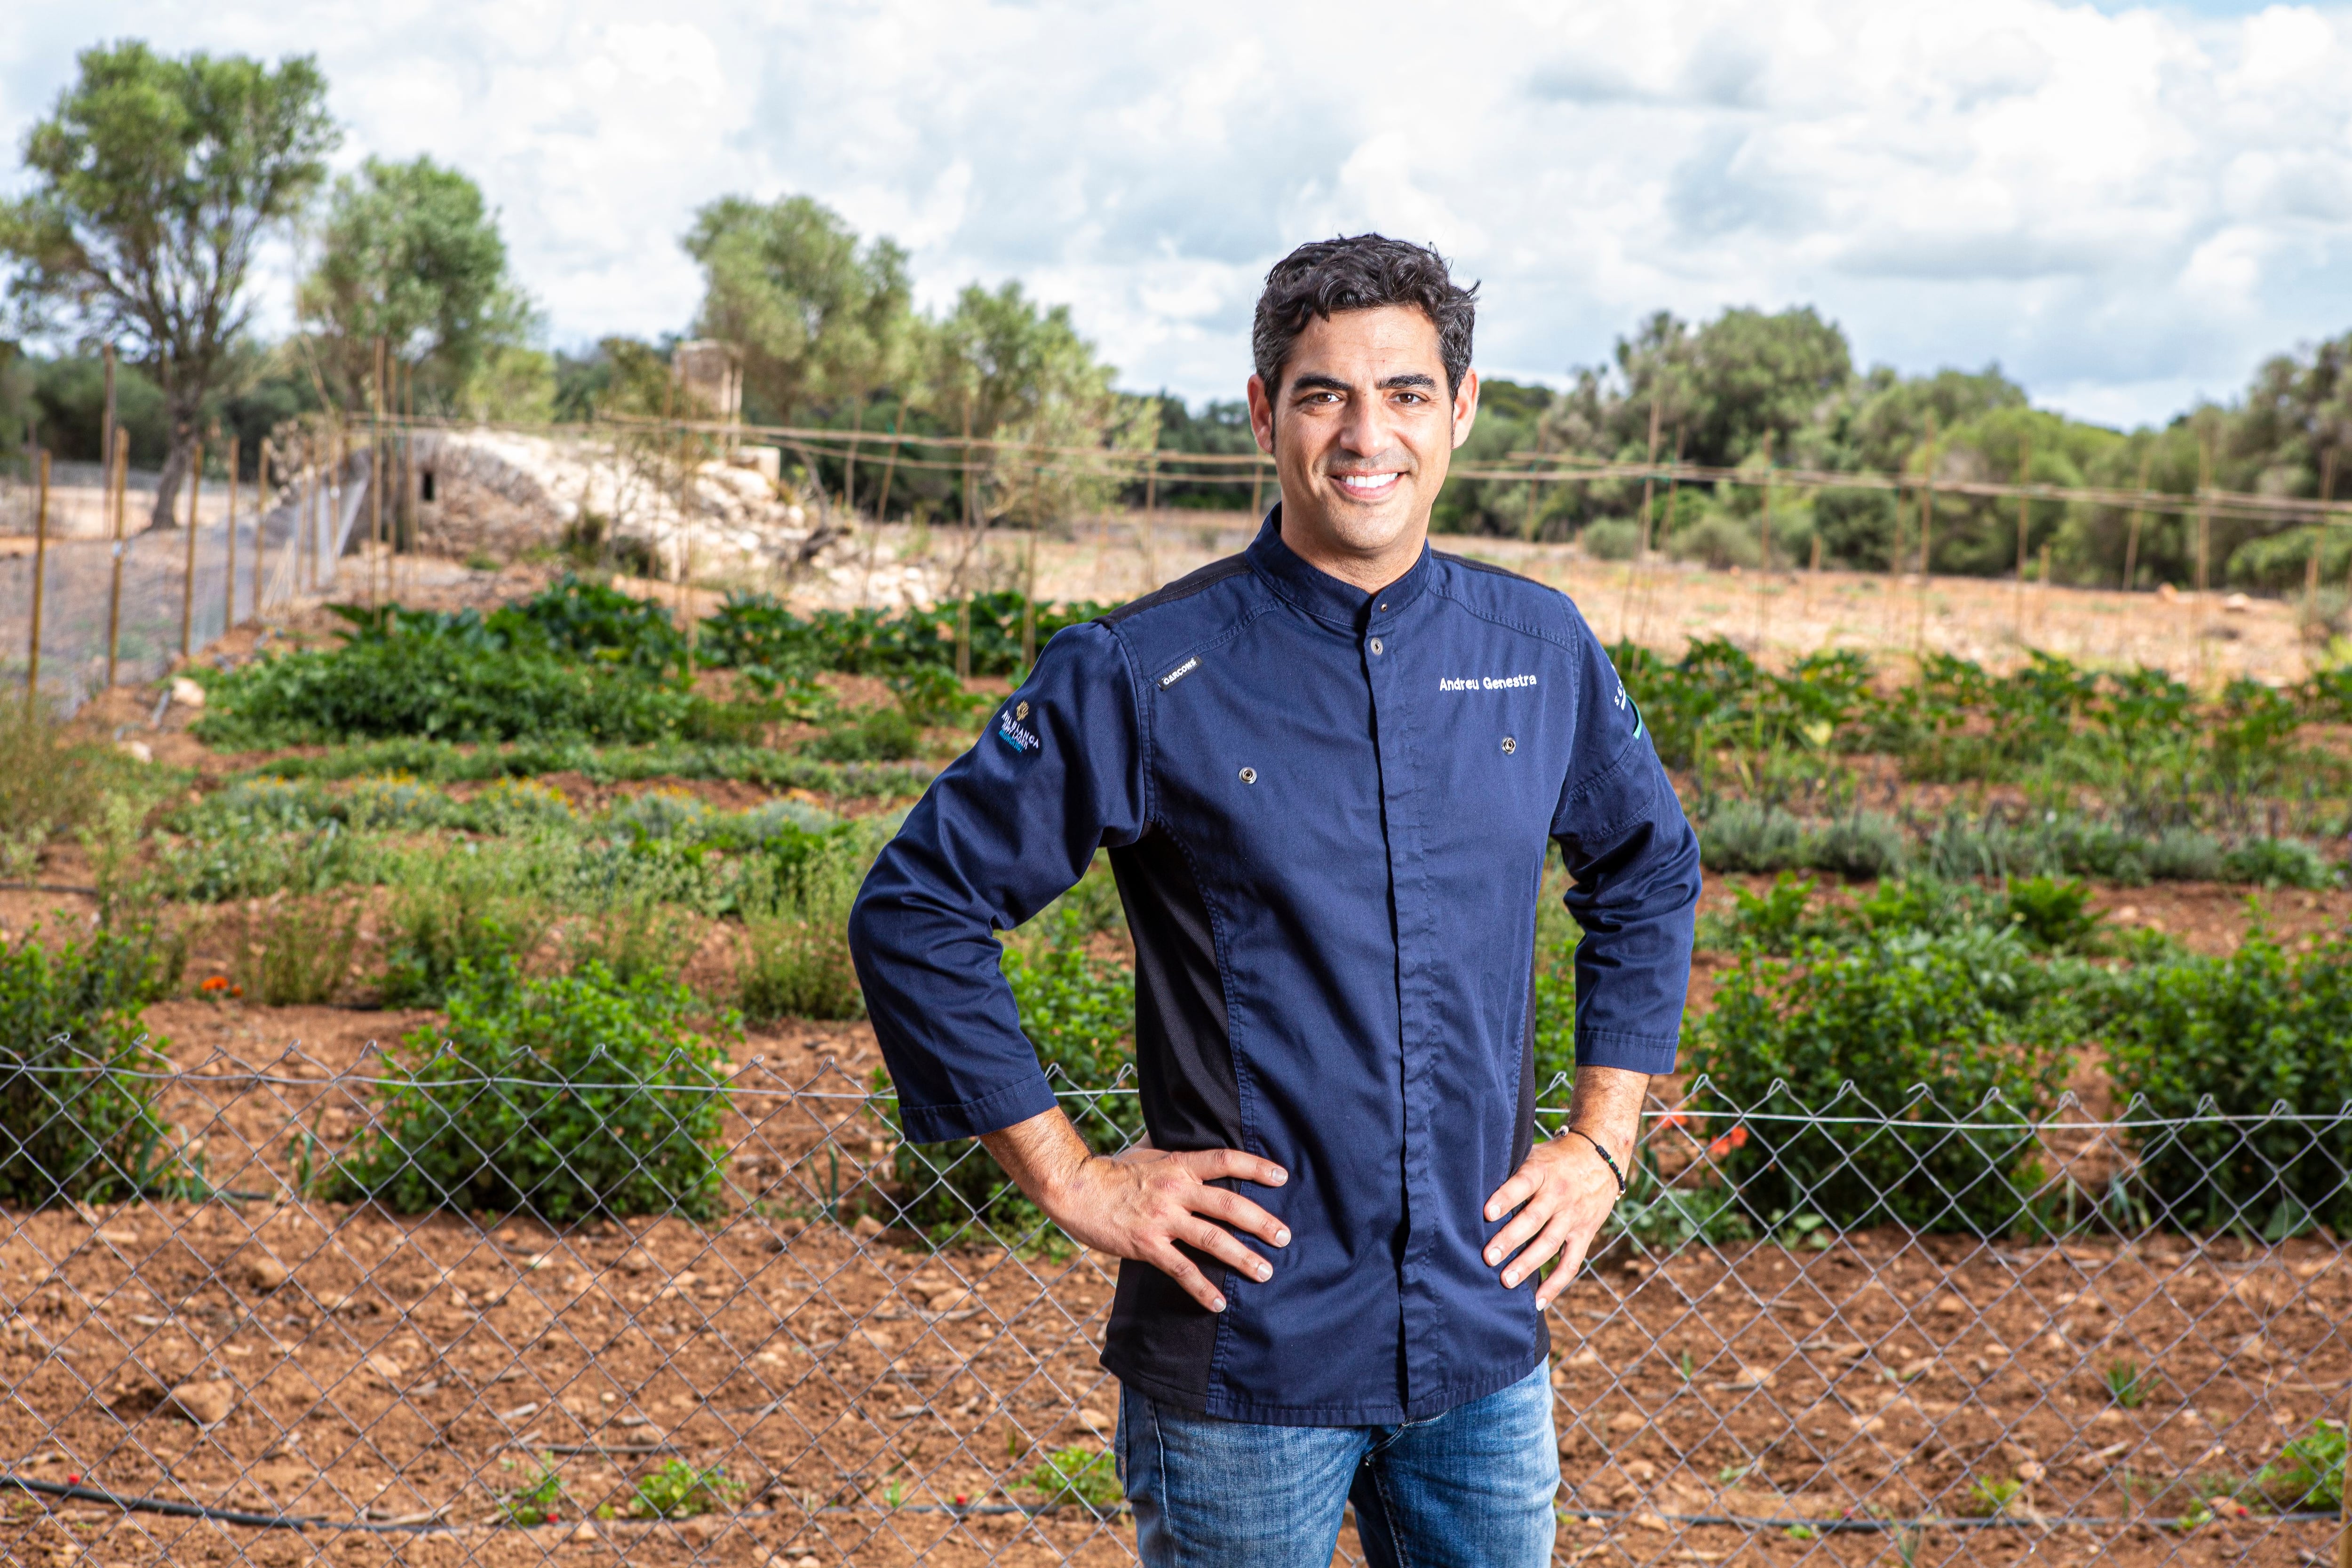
[[1008, 826], [1635, 864]]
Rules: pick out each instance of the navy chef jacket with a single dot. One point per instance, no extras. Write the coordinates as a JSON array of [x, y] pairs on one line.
[[1327, 813]]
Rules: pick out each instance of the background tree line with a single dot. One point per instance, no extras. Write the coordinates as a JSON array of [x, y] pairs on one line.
[[156, 181]]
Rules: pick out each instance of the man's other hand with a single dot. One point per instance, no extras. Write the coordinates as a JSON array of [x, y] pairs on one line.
[[1565, 1189], [1141, 1203]]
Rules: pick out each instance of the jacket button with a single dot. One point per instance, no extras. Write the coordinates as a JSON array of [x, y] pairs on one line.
[[1376, 644], [1509, 746], [1249, 775]]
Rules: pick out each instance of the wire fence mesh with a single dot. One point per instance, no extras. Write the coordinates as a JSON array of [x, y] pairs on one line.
[[150, 592], [828, 1346]]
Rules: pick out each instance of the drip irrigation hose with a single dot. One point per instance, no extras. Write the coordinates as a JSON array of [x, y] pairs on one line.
[[200, 1511]]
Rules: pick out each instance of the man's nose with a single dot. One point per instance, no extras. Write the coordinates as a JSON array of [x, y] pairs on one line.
[[1365, 431]]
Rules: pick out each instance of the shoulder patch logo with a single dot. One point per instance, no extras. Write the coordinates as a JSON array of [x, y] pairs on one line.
[[1021, 710], [1013, 733], [1179, 672]]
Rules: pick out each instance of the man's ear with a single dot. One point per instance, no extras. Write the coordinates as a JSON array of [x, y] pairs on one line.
[[1261, 407], [1465, 407]]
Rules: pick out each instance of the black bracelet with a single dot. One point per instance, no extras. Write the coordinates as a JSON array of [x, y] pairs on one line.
[[1606, 1157]]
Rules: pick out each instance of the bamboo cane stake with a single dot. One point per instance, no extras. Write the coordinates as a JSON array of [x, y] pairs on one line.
[[2131, 538], [2024, 467], [40, 575], [376, 481]]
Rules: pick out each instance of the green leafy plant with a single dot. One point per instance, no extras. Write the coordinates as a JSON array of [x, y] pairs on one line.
[[681, 1490], [631, 936], [451, 912], [1819, 1059], [794, 959], [2279, 863], [2308, 1474], [1990, 1496], [539, 1499], [2209, 1049], [288, 952], [1077, 1477], [78, 1078], [2053, 916], [568, 1097], [2125, 1384]]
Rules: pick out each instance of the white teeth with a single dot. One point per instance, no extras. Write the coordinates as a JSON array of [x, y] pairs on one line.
[[1365, 481]]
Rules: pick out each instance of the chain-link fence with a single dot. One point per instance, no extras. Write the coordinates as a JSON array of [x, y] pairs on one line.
[[127, 609], [823, 1346]]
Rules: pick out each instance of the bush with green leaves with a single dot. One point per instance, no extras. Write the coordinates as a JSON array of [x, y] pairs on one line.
[[456, 911], [1820, 1058], [2053, 916], [2206, 1051], [1747, 835], [570, 1097], [78, 1076], [795, 958], [2279, 863]]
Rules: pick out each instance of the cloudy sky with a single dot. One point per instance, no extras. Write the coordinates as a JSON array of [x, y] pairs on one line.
[[2127, 206]]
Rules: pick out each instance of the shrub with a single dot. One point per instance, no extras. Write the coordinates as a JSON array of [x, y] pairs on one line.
[[1922, 903], [77, 1076], [288, 952], [1820, 1057], [1863, 845], [2209, 1047], [454, 912], [48, 783], [679, 1490], [2308, 1474], [1077, 1477], [794, 957], [570, 1098], [2184, 855], [631, 937], [435, 686], [2278, 863], [1743, 835], [877, 736], [2052, 916]]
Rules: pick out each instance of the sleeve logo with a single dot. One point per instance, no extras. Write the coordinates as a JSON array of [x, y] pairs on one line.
[[1015, 734]]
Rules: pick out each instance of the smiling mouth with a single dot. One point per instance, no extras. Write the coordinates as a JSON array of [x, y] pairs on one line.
[[1368, 486]]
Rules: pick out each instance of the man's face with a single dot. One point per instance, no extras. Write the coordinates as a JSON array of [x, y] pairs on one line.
[[1361, 430]]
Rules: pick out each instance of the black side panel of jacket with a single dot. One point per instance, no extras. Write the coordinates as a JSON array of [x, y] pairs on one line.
[[1191, 1099]]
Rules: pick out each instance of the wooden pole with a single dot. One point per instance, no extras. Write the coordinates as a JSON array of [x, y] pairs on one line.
[[261, 494], [120, 481], [375, 480], [188, 571], [1926, 538], [2131, 537], [228, 575], [1029, 605], [2024, 468], [2204, 510], [40, 575], [1649, 480], [1764, 566], [106, 416], [891, 463], [1257, 490]]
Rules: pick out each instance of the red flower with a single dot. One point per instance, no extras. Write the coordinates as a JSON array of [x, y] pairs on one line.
[[1673, 1118], [1735, 1139], [217, 983], [73, 1481]]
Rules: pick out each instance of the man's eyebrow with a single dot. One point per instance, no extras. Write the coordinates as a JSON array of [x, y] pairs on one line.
[[1309, 381]]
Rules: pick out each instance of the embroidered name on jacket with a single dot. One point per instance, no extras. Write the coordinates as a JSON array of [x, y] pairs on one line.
[[1483, 682], [1017, 735]]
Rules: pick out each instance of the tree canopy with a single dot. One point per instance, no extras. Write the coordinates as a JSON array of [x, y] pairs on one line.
[[411, 254], [155, 180]]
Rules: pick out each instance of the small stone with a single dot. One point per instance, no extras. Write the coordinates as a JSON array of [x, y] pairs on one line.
[[1948, 1305], [1628, 1421], [206, 1404], [264, 1272], [583, 1533], [186, 693], [137, 751], [866, 1228]]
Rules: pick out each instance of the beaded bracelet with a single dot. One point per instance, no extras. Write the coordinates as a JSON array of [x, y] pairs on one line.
[[1606, 1157]]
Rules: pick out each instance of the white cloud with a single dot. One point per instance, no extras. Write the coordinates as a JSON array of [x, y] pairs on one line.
[[2116, 206]]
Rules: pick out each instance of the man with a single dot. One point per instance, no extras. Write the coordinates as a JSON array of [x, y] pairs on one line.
[[1327, 770]]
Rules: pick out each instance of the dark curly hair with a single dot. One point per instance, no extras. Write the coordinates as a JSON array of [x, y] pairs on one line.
[[1362, 272]]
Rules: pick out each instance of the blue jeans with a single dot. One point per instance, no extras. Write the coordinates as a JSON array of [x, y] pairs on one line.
[[1473, 1488]]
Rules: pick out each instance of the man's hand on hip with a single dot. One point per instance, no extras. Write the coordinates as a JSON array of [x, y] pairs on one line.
[[1566, 1189], [1141, 1203]]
